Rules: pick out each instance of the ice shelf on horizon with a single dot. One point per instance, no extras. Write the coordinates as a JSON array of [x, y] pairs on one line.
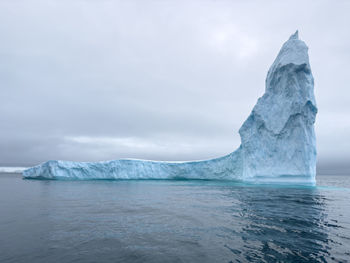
[[277, 140]]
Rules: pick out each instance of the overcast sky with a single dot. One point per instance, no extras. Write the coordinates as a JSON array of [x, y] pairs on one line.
[[165, 80]]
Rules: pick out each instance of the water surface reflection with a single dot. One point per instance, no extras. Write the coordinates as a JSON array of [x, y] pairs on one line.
[[171, 221], [280, 223]]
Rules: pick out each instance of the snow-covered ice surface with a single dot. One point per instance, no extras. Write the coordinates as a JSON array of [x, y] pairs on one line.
[[277, 140]]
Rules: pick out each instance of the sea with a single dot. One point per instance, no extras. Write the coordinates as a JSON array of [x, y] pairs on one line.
[[173, 221]]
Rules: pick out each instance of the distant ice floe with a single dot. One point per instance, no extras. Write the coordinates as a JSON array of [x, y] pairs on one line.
[[12, 169]]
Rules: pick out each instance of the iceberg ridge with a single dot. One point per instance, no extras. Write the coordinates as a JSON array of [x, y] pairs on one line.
[[278, 141]]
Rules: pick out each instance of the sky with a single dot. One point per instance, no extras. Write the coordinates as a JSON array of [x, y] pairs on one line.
[[162, 80]]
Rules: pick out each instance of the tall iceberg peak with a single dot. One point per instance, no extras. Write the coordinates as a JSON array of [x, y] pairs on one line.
[[277, 140], [295, 35]]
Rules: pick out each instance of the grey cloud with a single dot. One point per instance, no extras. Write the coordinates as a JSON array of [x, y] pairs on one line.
[[158, 79]]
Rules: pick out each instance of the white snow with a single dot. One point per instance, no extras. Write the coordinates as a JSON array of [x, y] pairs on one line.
[[12, 169]]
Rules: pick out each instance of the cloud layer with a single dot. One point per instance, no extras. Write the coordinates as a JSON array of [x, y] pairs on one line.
[[166, 80]]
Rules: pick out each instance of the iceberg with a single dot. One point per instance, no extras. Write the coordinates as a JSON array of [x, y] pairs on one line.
[[278, 141]]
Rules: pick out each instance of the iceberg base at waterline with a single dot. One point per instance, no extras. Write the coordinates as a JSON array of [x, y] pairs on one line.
[[278, 143]]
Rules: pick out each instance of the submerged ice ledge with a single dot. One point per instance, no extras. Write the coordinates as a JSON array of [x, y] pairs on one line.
[[278, 142]]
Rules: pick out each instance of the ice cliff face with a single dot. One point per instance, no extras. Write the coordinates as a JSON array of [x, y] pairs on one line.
[[278, 138]]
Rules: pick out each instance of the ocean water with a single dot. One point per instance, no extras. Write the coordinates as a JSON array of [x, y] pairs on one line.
[[173, 221]]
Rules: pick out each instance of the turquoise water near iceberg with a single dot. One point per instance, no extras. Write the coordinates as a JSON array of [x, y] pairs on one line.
[[173, 221]]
